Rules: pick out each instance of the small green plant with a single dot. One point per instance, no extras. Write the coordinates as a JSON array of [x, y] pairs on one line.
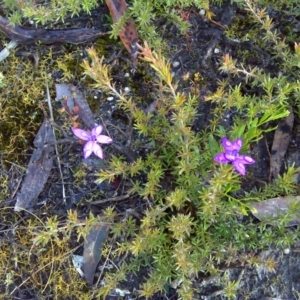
[[55, 10], [178, 233]]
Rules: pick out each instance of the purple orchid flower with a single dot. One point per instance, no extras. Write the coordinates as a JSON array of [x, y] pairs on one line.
[[231, 155], [92, 137]]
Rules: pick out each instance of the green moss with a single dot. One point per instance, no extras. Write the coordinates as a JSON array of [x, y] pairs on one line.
[[19, 101], [24, 93], [44, 269]]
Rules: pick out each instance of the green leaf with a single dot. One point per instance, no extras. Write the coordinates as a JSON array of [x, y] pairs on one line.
[[214, 146], [239, 131], [267, 117]]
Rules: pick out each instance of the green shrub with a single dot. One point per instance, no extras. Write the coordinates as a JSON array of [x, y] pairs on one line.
[[191, 224]]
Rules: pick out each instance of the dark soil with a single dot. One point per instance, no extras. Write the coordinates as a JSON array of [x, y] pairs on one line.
[[199, 51]]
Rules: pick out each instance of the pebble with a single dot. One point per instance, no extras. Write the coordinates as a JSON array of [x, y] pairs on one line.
[[110, 98], [202, 12], [176, 64]]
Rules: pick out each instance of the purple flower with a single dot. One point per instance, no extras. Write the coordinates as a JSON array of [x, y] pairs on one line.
[[231, 155], [92, 137]]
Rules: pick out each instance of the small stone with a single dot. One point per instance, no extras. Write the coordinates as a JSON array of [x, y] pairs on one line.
[[217, 50], [110, 98], [202, 12], [126, 89], [176, 64], [286, 251]]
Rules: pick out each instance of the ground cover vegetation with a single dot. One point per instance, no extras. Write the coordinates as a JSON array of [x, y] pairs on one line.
[[190, 190]]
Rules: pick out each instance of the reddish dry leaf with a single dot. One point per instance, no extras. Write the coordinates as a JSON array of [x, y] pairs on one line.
[[271, 209], [92, 250], [128, 34], [38, 169], [75, 103], [280, 144]]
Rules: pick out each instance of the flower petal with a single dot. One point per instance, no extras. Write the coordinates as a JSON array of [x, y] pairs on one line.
[[82, 134], [240, 167], [97, 130], [229, 157], [88, 148], [229, 146], [220, 157], [104, 139], [237, 144], [98, 151], [244, 159]]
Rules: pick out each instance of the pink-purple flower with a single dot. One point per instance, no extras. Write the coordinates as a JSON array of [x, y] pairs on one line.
[[92, 139], [231, 155]]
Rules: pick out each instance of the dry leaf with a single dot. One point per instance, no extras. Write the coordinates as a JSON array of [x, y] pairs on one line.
[[92, 250], [75, 103], [274, 208], [27, 35], [280, 143], [38, 169], [128, 34]]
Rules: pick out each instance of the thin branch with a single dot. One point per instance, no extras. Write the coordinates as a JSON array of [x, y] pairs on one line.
[[56, 148], [119, 198]]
